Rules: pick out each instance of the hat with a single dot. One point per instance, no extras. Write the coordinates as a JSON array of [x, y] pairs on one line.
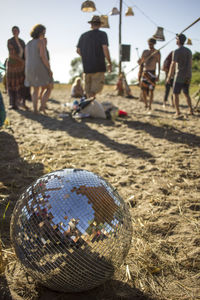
[[95, 19], [152, 40], [181, 37]]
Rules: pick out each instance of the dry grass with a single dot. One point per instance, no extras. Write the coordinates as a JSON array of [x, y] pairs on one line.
[[153, 161]]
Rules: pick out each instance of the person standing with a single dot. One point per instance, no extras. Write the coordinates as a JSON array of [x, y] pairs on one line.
[[15, 68], [147, 76], [43, 88], [93, 49], [182, 65], [37, 67]]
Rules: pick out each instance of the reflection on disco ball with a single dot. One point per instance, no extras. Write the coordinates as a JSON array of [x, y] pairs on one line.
[[70, 229]]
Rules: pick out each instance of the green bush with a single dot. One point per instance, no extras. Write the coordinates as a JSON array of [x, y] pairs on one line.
[[195, 78]]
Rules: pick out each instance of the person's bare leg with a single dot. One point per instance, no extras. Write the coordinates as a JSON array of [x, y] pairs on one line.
[[41, 93], [172, 100], [189, 102], [144, 95], [176, 100], [35, 99], [150, 99], [45, 97]]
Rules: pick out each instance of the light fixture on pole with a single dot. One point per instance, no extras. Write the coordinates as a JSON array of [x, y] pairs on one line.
[[129, 12], [114, 12], [88, 6], [189, 42], [159, 36], [104, 21]]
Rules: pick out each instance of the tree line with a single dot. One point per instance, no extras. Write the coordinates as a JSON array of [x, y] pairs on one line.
[[111, 78]]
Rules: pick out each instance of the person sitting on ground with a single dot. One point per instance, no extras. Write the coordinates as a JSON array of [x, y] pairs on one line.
[[127, 89], [123, 88], [120, 85], [77, 90]]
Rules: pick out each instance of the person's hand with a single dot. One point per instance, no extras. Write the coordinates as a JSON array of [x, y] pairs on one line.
[[50, 73], [109, 66], [168, 80]]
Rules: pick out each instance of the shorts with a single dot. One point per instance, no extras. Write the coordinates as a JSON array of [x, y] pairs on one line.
[[179, 86], [93, 82], [148, 80]]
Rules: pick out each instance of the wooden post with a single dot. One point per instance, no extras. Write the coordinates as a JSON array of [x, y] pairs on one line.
[[120, 39]]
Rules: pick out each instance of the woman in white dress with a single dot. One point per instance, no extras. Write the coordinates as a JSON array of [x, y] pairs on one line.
[[37, 67]]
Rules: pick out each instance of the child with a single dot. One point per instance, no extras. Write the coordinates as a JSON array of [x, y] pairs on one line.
[[77, 90]]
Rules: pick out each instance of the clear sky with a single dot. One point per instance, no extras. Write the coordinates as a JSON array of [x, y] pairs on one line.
[[65, 22]]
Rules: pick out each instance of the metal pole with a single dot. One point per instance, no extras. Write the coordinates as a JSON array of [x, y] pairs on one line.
[[197, 20], [120, 38]]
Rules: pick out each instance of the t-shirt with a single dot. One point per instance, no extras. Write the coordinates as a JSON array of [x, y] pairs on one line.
[[90, 44], [150, 59], [183, 58]]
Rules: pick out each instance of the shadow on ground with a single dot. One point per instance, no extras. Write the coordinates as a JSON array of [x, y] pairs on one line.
[[166, 132], [82, 131], [15, 175], [113, 289]]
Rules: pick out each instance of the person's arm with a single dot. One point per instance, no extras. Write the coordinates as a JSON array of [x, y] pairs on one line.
[[142, 58], [107, 56], [158, 67], [12, 53], [42, 51], [140, 72], [78, 50], [171, 71]]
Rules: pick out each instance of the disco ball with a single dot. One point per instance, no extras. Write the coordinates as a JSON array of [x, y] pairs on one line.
[[70, 230]]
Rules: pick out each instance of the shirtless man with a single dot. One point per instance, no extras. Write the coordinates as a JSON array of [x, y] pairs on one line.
[[147, 76]]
